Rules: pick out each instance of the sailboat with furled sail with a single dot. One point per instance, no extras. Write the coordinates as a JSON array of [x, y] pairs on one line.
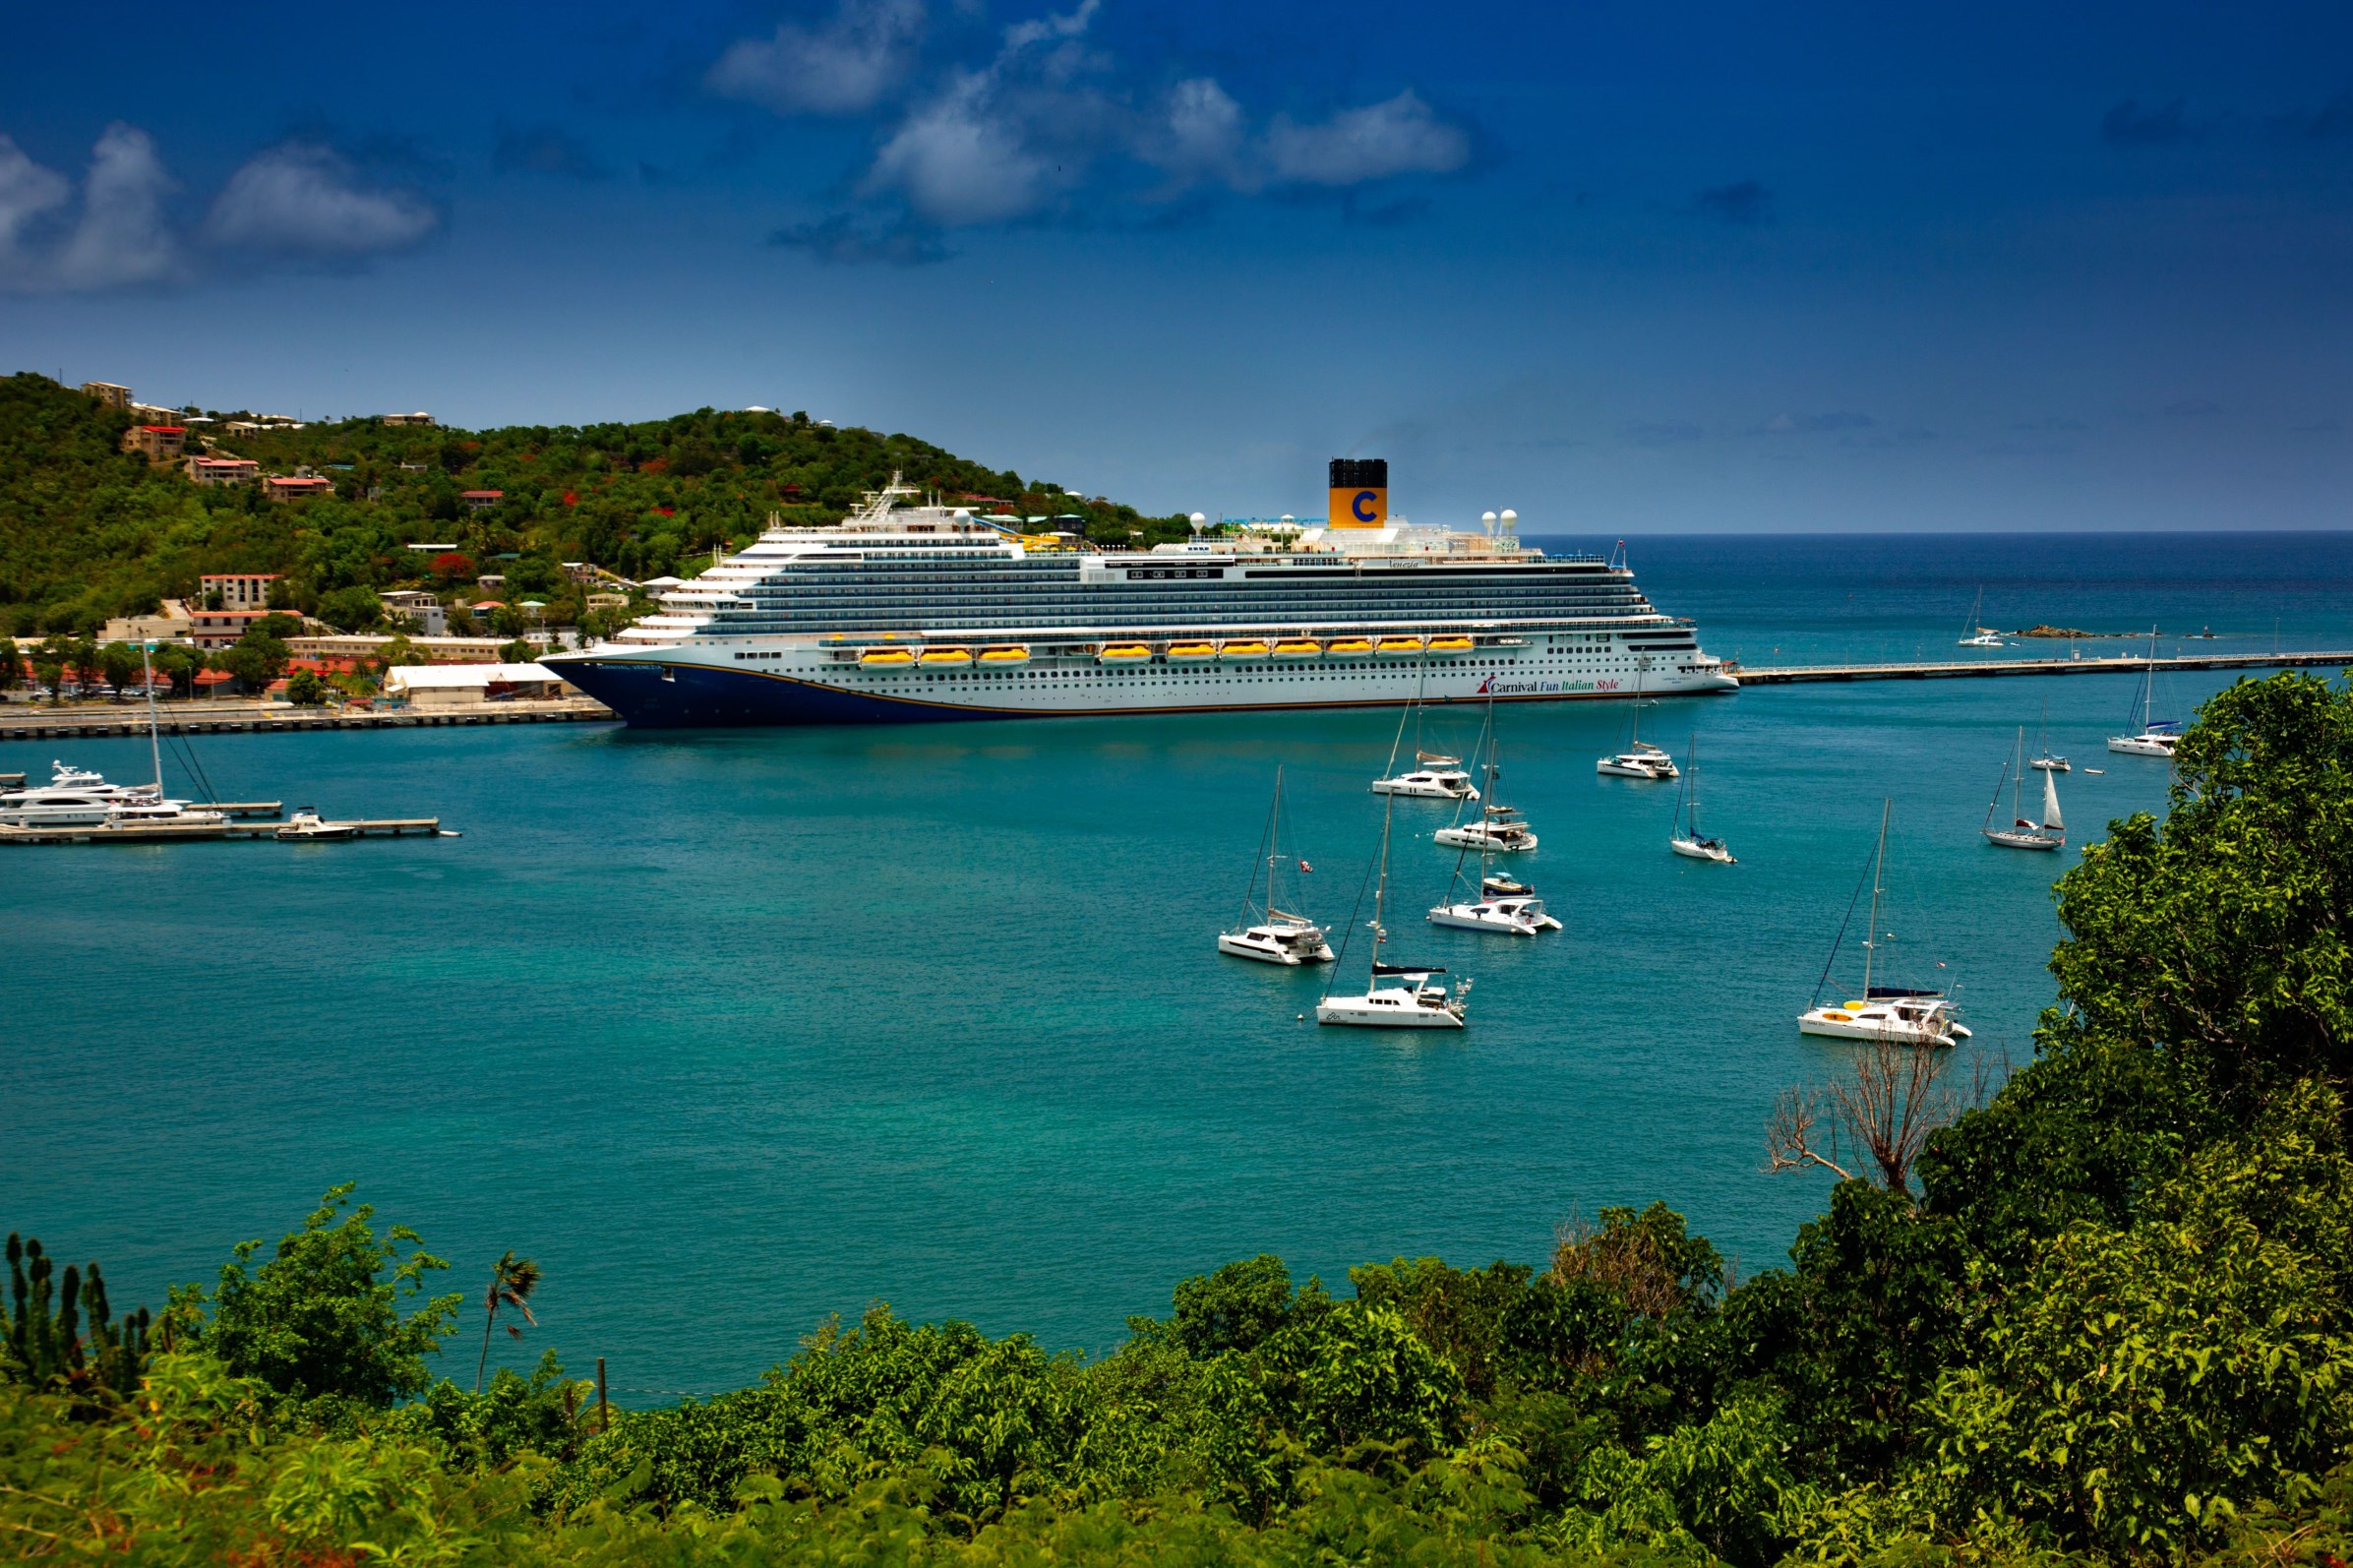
[[1515, 910], [1412, 1003], [2048, 834], [1688, 840], [1266, 932], [1900, 1014]]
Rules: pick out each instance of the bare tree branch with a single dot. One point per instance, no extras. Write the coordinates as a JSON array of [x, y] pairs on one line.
[[1888, 1103], [1789, 1135]]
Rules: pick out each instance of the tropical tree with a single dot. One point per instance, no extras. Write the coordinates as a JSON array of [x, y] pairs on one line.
[[119, 662], [256, 658], [12, 663], [350, 609], [512, 1282], [305, 689]]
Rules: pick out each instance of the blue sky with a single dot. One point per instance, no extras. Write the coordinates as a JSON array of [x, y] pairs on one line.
[[1626, 267]]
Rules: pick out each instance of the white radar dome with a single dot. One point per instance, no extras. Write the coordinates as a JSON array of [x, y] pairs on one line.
[[1510, 516], [1199, 517]]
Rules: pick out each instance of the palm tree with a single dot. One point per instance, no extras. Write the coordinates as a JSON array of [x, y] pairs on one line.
[[512, 1282]]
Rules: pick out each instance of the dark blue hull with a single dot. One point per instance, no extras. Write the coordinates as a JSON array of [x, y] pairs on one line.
[[695, 696]]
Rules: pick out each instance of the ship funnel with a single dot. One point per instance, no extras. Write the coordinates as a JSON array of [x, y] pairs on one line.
[[1359, 493]]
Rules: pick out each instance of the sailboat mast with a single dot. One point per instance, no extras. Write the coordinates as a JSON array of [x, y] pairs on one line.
[[1274, 841], [1380, 889], [154, 744], [2017, 771], [1878, 865]]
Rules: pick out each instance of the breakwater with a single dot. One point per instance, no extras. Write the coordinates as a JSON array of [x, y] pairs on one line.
[[1962, 668]]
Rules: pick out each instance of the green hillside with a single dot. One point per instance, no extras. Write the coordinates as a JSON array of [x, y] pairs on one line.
[[87, 532]]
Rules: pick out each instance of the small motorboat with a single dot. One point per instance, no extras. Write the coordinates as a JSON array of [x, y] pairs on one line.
[[1497, 885], [2051, 764], [307, 824]]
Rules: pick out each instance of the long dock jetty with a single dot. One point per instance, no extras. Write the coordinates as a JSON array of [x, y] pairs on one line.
[[30, 723], [179, 833], [1962, 668]]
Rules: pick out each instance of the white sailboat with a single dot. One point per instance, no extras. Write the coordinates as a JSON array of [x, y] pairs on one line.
[[1266, 932], [1688, 840], [2048, 834], [1897, 1013], [1433, 776], [2158, 737], [1516, 912], [1640, 758], [1497, 829], [1412, 1003], [2043, 758], [1973, 635]]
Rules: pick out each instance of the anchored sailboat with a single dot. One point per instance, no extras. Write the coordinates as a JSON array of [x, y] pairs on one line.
[[1640, 758], [2158, 737], [1433, 776], [1689, 840], [1984, 637], [1414, 1003], [1498, 829], [1514, 911], [1266, 932], [1897, 1013], [2050, 832]]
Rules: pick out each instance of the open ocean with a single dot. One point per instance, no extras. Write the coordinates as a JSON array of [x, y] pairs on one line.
[[734, 1030]]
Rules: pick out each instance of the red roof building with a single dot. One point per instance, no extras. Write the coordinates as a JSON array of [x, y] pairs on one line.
[[160, 442], [283, 488], [482, 500]]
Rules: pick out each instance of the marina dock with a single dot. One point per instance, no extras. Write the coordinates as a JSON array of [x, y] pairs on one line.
[[177, 832], [1962, 668], [32, 723]]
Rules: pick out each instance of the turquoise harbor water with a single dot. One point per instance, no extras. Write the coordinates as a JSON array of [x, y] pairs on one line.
[[735, 1030]]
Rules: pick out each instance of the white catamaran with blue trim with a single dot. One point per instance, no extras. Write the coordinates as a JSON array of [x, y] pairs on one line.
[[910, 611]]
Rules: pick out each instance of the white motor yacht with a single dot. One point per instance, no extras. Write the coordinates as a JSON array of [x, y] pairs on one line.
[[76, 797], [1434, 778], [2051, 764], [1496, 831], [1265, 932], [1904, 1016]]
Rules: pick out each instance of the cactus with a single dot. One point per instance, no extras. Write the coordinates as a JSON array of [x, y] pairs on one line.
[[49, 1348]]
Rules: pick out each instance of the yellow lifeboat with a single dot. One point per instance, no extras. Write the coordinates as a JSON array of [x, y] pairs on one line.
[[1450, 645], [1193, 650], [873, 657], [1244, 648], [1124, 653], [937, 657], [1297, 648], [1400, 646], [1010, 654], [1349, 647]]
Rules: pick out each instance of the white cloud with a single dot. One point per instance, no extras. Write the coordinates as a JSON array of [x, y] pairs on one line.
[[124, 236], [843, 67], [1021, 34], [1200, 135], [959, 163], [1397, 135], [26, 191], [301, 199]]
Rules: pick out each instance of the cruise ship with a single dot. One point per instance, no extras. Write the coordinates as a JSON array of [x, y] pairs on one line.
[[911, 610]]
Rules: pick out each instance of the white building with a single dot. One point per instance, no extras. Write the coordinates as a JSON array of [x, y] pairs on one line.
[[429, 686]]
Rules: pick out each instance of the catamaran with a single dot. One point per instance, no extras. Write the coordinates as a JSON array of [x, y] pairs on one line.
[[1640, 758], [1413, 1002], [2050, 832], [1985, 637], [1901, 1014], [1516, 913], [1498, 829], [2158, 737], [1433, 776], [1266, 932], [1689, 840]]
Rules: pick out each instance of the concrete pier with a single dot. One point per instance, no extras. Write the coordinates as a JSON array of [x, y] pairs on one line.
[[1962, 668]]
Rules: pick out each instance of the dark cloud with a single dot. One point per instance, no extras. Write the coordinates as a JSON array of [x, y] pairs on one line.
[[841, 240], [2192, 408], [1815, 424], [1661, 432], [2130, 124], [545, 150], [2330, 122], [1744, 204]]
